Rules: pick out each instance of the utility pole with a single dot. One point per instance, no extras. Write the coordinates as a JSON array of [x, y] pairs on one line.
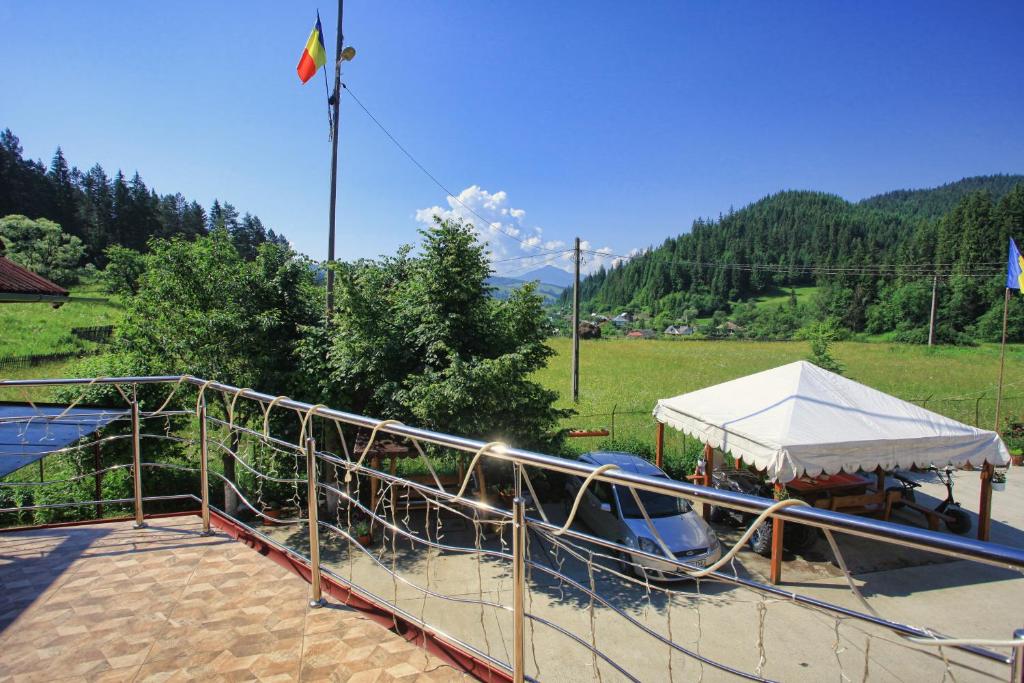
[[931, 321], [335, 102], [576, 323]]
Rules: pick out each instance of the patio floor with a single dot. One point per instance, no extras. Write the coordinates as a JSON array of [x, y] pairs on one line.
[[109, 602]]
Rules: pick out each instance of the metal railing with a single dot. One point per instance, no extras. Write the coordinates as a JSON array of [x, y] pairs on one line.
[[616, 563]]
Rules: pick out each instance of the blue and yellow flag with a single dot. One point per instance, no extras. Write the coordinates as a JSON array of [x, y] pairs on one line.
[[1015, 268]]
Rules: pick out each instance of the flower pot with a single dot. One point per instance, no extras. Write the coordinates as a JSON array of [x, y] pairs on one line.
[[364, 539], [998, 485], [273, 513], [1017, 459]]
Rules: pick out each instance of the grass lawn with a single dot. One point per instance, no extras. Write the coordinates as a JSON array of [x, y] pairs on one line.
[[781, 296], [38, 328], [631, 375]]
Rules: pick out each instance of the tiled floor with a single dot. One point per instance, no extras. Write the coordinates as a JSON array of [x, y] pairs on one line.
[[106, 602]]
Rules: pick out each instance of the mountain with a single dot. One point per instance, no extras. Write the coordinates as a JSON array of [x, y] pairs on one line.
[[938, 201], [503, 285], [871, 261], [549, 275]]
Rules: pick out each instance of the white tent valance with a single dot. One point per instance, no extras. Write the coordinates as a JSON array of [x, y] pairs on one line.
[[799, 419]]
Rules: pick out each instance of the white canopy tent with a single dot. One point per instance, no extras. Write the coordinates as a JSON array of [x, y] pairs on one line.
[[799, 419]]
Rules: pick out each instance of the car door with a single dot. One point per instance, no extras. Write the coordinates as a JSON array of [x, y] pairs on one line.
[[604, 515]]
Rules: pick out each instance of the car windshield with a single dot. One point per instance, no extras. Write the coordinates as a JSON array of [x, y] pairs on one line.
[[656, 504]]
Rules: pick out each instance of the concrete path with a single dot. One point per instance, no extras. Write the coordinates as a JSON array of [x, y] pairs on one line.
[[736, 627]]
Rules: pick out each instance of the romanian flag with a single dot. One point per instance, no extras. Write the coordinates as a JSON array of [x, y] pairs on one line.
[[315, 54], [1015, 268]]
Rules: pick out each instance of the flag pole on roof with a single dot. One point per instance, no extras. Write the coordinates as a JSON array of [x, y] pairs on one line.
[[313, 57]]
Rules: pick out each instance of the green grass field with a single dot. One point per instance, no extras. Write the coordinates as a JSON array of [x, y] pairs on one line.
[[629, 376], [38, 328], [781, 296]]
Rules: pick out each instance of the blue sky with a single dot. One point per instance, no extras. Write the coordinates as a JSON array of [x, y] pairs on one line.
[[617, 122]]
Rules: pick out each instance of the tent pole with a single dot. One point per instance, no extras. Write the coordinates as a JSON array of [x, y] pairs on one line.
[[709, 468], [777, 531], [985, 502], [659, 445]]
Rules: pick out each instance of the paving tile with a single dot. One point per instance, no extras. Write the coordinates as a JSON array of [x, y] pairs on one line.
[[107, 602]]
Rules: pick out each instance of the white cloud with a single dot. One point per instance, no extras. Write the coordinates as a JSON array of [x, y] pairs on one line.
[[507, 236]]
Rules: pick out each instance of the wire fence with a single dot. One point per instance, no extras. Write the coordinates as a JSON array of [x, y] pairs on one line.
[[31, 361], [503, 552]]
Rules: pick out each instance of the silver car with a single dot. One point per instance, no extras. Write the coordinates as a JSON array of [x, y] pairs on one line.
[[611, 512]]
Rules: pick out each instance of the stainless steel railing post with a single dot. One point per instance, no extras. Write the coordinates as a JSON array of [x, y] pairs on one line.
[[204, 469], [1017, 658], [518, 588], [137, 466], [316, 597]]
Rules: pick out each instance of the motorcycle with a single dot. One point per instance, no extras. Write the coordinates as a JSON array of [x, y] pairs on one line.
[[948, 510]]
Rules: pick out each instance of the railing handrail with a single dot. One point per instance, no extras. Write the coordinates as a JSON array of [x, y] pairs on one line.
[[921, 539], [968, 549]]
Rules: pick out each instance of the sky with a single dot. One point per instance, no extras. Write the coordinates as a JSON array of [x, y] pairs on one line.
[[619, 123]]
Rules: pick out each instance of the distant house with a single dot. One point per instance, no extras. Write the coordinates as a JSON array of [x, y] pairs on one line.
[[19, 284], [679, 330], [641, 334], [599, 318], [623, 318], [730, 328]]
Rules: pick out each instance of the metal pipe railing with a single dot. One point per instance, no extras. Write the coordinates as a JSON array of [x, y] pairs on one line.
[[316, 596], [204, 469], [959, 548], [137, 466]]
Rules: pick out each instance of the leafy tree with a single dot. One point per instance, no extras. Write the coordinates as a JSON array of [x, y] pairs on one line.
[[124, 270], [420, 339], [42, 247], [821, 336], [201, 309]]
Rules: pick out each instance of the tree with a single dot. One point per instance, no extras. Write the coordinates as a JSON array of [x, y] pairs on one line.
[[821, 336], [203, 310], [42, 247], [124, 270], [421, 340]]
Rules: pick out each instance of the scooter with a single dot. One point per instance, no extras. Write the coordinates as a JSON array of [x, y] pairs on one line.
[[948, 510]]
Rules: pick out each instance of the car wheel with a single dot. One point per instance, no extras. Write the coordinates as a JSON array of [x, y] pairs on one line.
[[625, 563], [761, 540], [959, 522], [798, 537], [718, 515]]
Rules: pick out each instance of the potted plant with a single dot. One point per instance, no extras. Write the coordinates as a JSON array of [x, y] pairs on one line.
[[273, 510], [505, 495], [1017, 458], [998, 480], [361, 530]]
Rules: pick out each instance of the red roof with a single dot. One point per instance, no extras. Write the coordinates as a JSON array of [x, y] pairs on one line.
[[17, 280]]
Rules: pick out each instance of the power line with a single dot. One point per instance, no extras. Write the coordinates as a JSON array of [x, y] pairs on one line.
[[437, 182], [921, 270]]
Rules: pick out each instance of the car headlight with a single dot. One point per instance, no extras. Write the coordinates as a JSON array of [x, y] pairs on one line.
[[647, 545]]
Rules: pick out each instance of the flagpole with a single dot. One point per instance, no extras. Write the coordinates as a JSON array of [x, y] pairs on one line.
[[334, 101], [1002, 358]]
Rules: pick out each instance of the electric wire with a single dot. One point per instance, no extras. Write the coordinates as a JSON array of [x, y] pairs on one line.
[[490, 224]]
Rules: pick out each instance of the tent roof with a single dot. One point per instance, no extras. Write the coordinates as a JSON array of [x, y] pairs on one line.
[[800, 419]]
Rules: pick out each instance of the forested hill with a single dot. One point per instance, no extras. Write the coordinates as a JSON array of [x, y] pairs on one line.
[[938, 201], [811, 238], [103, 211]]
